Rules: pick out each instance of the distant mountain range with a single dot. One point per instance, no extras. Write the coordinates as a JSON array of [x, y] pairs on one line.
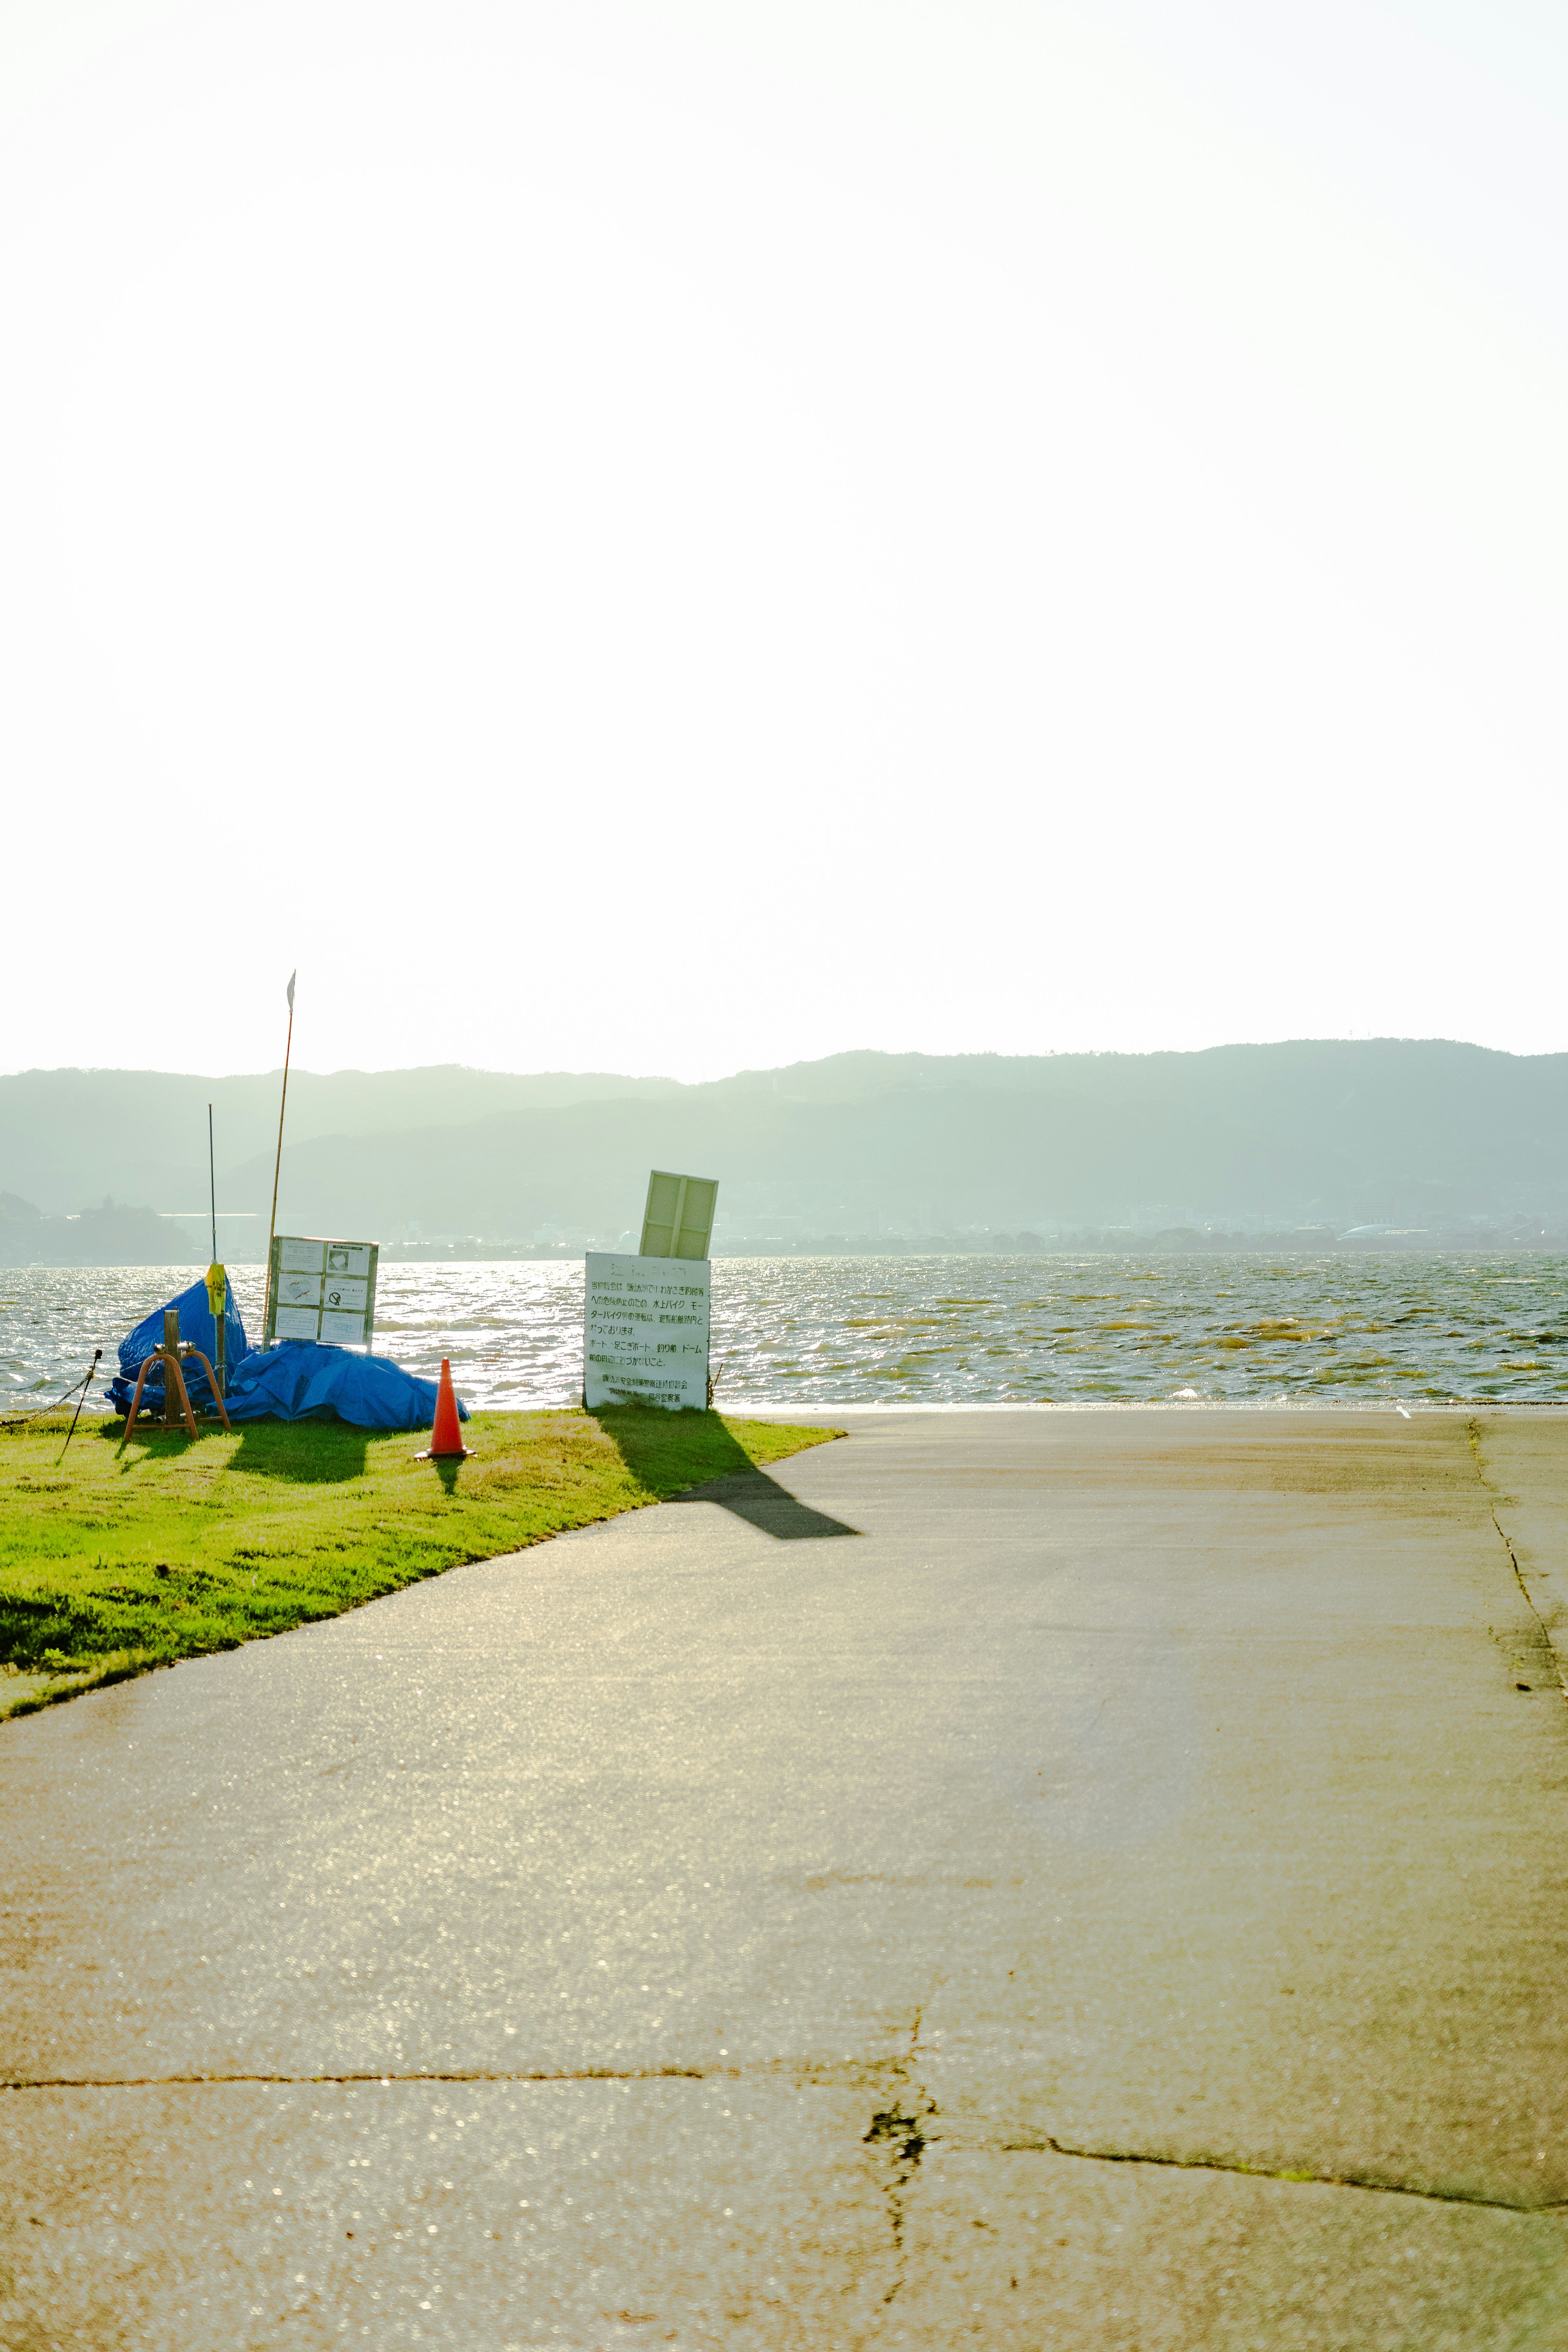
[[1428, 1138]]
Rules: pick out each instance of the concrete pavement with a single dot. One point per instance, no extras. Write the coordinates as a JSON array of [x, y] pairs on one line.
[[1080, 1879]]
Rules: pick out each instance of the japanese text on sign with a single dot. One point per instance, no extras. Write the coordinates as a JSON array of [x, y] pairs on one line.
[[645, 1330]]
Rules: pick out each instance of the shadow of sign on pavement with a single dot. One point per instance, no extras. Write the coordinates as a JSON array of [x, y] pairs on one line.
[[763, 1503]]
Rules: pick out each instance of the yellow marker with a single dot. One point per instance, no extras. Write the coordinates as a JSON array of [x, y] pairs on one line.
[[217, 1290]]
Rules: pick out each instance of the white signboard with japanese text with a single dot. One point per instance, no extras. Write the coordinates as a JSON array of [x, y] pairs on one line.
[[322, 1290], [645, 1331]]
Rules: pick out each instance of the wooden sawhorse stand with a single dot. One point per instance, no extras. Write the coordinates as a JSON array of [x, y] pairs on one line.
[[175, 1389]]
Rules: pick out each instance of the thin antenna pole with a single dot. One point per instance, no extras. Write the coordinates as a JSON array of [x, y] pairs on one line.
[[277, 1163], [211, 1181]]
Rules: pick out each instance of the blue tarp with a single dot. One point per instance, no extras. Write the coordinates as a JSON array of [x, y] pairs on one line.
[[302, 1380], [298, 1380], [196, 1324]]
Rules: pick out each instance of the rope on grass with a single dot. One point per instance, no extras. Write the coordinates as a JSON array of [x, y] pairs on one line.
[[16, 1420]]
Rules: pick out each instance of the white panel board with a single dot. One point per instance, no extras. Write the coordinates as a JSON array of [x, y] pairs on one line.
[[645, 1330], [677, 1221], [320, 1290]]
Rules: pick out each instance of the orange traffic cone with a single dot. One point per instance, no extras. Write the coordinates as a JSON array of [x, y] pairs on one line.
[[447, 1437]]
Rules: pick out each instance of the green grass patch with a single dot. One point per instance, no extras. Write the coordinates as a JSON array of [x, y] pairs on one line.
[[122, 1557]]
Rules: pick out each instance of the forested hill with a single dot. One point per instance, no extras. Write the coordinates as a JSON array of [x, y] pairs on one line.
[[1413, 1133]]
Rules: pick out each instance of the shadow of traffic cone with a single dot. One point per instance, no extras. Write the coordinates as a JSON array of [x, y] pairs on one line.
[[447, 1437]]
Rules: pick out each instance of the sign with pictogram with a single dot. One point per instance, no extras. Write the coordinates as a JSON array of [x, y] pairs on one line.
[[319, 1289]]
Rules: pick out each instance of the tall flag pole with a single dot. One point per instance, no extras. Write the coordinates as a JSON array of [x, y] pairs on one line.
[[217, 1276], [277, 1163]]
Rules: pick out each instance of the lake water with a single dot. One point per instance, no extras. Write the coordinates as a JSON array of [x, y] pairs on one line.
[[834, 1331]]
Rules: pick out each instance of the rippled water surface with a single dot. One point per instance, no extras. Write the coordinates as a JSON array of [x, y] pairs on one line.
[[935, 1331]]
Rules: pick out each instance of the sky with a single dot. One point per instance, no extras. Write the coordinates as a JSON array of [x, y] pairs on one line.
[[680, 535]]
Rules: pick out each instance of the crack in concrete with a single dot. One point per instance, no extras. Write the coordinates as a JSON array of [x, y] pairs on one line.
[[1548, 1650], [1046, 2144], [901, 2137], [904, 2134], [897, 2132], [451, 2075]]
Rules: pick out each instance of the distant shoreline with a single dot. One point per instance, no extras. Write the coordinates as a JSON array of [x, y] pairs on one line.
[[1106, 1244]]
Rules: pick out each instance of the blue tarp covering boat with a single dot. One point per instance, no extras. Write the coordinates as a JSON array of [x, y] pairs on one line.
[[299, 1380], [302, 1380], [196, 1324]]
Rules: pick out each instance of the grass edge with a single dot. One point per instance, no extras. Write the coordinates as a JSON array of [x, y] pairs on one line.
[[127, 1665]]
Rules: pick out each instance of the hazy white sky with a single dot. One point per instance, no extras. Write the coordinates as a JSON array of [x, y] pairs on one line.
[[679, 534]]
